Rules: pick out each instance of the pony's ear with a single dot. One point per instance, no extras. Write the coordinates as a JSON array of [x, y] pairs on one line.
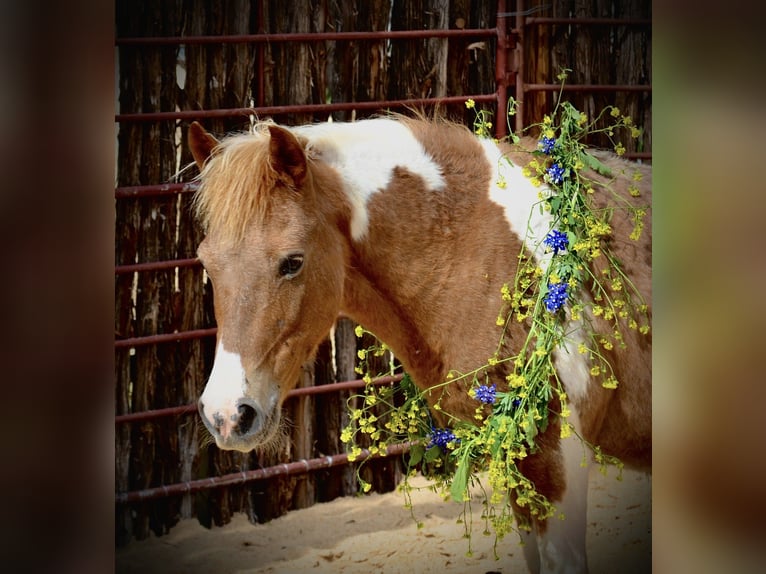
[[201, 144], [287, 156]]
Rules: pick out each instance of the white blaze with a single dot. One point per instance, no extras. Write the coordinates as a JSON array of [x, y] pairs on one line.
[[226, 385]]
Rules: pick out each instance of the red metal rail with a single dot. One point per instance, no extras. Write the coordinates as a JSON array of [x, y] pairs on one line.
[[298, 108], [301, 392], [298, 467], [267, 38], [164, 338], [154, 190], [156, 265]]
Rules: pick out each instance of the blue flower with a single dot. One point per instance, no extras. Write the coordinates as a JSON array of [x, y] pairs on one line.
[[486, 394], [556, 296], [557, 241], [440, 438], [556, 173], [546, 145]]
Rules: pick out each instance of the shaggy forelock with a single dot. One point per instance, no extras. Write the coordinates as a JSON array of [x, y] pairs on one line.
[[228, 198]]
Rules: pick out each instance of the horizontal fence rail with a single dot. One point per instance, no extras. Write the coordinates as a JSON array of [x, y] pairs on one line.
[[154, 190], [157, 265], [286, 469], [164, 338], [300, 392], [308, 37], [299, 108]]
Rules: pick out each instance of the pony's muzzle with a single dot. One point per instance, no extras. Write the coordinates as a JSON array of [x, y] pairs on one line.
[[233, 424]]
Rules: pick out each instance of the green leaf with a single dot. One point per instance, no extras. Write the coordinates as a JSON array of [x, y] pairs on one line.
[[531, 431], [416, 454], [432, 454], [595, 164], [460, 481]]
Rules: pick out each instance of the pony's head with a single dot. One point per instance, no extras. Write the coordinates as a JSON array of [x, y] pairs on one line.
[[275, 257]]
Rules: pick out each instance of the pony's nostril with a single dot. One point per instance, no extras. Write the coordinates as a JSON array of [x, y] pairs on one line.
[[247, 416]]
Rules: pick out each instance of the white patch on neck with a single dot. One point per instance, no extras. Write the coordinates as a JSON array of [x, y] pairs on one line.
[[523, 209], [520, 200], [365, 153], [571, 364], [227, 383]]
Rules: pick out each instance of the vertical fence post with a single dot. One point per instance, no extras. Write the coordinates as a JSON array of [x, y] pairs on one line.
[[500, 69]]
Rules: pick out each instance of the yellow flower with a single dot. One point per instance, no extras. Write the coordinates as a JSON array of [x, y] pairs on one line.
[[516, 380], [610, 383], [566, 430], [354, 454], [615, 112], [635, 132], [358, 331], [619, 149], [361, 353], [470, 104]]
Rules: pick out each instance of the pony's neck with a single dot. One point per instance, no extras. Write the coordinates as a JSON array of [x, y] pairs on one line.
[[427, 276]]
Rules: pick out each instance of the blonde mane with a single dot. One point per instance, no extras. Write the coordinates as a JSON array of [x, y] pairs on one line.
[[227, 199]]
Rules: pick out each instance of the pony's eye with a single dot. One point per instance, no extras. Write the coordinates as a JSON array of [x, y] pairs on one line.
[[291, 265]]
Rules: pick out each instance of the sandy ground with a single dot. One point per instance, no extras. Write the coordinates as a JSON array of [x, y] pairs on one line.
[[376, 533]]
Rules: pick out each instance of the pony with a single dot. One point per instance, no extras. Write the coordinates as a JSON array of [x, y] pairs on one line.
[[402, 225]]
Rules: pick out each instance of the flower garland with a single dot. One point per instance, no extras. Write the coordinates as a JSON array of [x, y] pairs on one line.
[[507, 422]]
